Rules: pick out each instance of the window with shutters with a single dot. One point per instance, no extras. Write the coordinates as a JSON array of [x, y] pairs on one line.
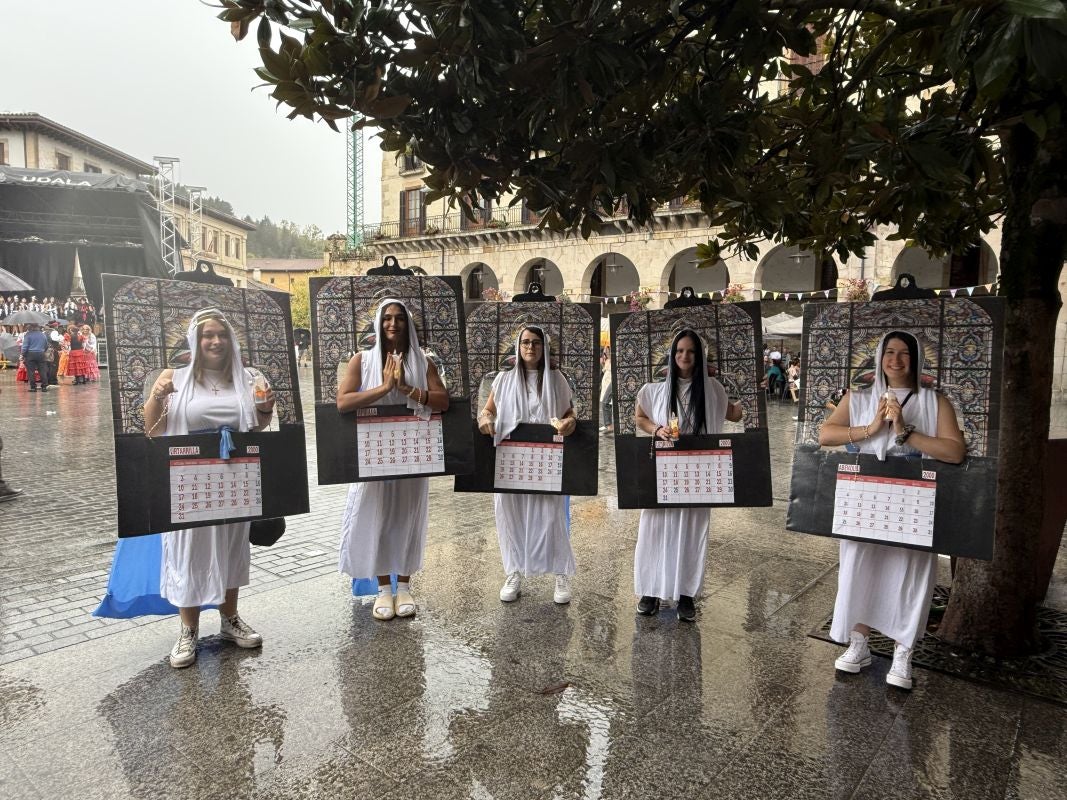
[[480, 216], [63, 161], [412, 212]]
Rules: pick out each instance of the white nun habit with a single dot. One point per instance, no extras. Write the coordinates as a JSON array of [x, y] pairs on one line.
[[383, 530], [672, 542], [200, 564], [532, 528], [887, 588]]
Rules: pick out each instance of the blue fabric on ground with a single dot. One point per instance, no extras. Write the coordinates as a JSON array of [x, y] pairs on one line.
[[133, 586], [364, 586]]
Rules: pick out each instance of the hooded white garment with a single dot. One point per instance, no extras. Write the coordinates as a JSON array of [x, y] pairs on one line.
[[532, 529], [383, 531], [200, 564], [672, 542], [515, 404], [414, 363], [887, 588]]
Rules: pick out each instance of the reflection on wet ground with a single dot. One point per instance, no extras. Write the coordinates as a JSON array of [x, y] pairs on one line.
[[474, 698]]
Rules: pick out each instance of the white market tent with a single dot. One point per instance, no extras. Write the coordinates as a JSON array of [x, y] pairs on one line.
[[783, 324]]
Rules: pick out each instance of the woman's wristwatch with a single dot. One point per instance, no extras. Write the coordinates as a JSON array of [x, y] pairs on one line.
[[903, 435]]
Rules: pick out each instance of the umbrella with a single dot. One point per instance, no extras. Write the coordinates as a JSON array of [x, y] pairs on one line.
[[26, 318], [9, 346], [10, 282]]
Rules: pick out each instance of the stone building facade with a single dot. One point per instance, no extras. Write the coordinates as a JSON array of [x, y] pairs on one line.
[[502, 249]]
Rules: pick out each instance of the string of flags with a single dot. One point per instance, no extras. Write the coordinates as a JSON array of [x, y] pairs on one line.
[[818, 294]]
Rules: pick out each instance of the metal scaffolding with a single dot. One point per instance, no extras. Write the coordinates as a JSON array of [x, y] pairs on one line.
[[165, 194], [354, 181], [196, 222]]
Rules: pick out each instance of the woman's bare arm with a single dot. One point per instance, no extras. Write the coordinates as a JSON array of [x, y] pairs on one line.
[[349, 396]]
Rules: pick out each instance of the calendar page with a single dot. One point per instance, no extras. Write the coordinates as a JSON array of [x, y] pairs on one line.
[[891, 510], [685, 477], [203, 489], [530, 466], [399, 446]]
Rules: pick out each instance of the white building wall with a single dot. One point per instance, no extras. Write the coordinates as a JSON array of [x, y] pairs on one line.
[[48, 150], [15, 147]]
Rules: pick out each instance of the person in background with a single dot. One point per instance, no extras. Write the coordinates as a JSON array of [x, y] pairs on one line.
[[34, 346], [92, 368]]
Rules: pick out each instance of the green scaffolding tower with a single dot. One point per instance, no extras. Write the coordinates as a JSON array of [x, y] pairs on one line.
[[354, 175]]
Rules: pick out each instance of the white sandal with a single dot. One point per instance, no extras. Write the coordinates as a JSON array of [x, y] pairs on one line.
[[405, 604], [384, 607]]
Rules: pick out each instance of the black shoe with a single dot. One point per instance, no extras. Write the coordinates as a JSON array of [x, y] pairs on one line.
[[44, 388], [33, 390], [647, 606], [687, 612]]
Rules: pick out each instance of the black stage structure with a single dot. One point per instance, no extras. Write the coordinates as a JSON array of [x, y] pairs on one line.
[[48, 216]]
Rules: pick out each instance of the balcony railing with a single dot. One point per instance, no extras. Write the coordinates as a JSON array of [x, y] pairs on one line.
[[497, 219]]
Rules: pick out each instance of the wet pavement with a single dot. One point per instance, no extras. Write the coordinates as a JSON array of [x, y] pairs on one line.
[[471, 698]]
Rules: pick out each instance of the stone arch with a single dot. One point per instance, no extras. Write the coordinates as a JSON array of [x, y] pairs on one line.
[[973, 267], [681, 271], [551, 278], [608, 275], [787, 268], [477, 276]]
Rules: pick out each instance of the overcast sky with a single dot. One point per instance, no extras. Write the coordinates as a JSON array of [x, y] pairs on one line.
[[164, 77]]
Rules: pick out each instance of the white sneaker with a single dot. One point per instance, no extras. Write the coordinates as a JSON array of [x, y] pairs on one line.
[[239, 632], [562, 594], [857, 656], [899, 674], [512, 588], [184, 651]]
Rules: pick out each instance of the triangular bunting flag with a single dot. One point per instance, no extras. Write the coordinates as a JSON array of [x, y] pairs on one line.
[[826, 293], [970, 290], [952, 292]]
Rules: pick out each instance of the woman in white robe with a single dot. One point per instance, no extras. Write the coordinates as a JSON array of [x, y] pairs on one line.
[[883, 587], [206, 566], [383, 532], [672, 542], [532, 528]]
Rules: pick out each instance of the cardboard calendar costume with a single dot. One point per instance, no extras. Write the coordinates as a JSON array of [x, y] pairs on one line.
[[197, 565], [888, 588], [147, 332], [527, 463], [909, 502], [672, 542], [383, 530], [695, 470], [353, 446], [533, 529], [148, 329]]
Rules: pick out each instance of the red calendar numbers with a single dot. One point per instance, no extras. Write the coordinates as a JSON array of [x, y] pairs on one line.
[[688, 477], [204, 489], [530, 466], [893, 510], [399, 446]]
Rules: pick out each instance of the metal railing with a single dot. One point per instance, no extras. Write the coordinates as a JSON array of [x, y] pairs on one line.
[[455, 222]]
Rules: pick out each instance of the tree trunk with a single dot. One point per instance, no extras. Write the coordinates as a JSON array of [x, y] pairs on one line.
[[993, 605]]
